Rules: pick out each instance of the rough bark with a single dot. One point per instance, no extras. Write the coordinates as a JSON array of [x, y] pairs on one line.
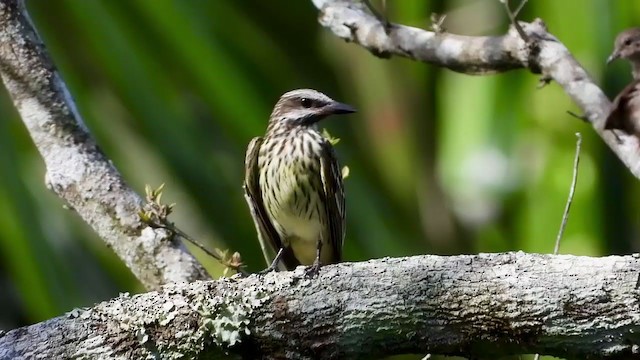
[[472, 305], [351, 21], [76, 169], [475, 306]]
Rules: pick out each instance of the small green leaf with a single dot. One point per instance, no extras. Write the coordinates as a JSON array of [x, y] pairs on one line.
[[331, 139], [345, 172]]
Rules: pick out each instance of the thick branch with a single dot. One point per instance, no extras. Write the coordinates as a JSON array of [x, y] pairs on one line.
[[351, 21], [76, 169], [478, 305]]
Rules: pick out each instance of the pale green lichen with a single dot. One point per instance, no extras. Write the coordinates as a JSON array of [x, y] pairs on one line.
[[163, 327], [227, 317]]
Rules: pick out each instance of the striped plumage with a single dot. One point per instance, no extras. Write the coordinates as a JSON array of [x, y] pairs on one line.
[[625, 109], [293, 183]]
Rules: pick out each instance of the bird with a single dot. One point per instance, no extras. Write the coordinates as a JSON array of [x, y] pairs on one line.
[[293, 184], [625, 110]]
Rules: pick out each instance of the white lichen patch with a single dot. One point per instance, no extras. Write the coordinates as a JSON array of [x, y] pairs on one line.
[[450, 48], [64, 167], [181, 320], [226, 318]]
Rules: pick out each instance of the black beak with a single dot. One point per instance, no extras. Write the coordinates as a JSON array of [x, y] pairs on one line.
[[334, 108], [340, 108], [612, 57]]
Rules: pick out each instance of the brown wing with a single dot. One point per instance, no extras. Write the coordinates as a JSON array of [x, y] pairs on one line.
[[269, 239], [623, 105], [334, 198]]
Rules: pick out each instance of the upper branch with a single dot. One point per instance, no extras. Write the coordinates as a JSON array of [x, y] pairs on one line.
[[76, 169], [352, 22], [470, 305], [542, 53]]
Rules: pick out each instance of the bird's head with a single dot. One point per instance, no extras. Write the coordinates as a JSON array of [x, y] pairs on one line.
[[305, 107], [627, 46]]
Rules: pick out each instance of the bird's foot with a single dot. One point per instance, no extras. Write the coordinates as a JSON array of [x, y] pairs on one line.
[[313, 270], [274, 263]]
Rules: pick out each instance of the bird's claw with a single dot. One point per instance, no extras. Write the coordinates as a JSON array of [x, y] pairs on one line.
[[313, 270]]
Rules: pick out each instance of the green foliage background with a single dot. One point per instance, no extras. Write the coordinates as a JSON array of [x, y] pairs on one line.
[[440, 162]]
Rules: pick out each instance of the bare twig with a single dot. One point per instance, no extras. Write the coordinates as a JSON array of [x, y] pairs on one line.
[[436, 23], [572, 190], [233, 262], [156, 214], [584, 117], [544, 81], [513, 15], [380, 15], [522, 3]]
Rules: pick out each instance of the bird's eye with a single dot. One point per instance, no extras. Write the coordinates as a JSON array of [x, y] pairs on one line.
[[306, 103], [627, 42]]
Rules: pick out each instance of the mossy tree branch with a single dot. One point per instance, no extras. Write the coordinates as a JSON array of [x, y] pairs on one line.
[[470, 305]]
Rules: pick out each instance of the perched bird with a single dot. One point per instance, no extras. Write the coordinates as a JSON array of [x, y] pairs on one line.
[[625, 112], [293, 184], [627, 46]]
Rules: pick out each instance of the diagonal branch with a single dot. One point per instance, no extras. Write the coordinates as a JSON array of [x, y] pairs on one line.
[[543, 53], [76, 169], [479, 306]]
